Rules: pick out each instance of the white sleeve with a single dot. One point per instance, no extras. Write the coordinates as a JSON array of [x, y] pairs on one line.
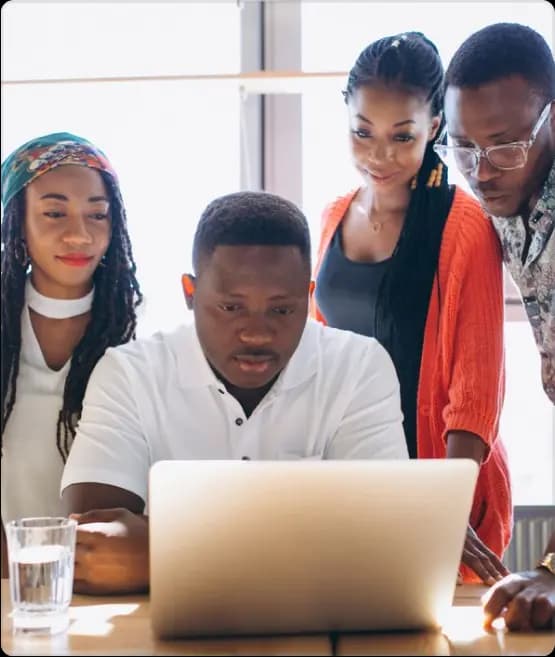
[[110, 446], [372, 426]]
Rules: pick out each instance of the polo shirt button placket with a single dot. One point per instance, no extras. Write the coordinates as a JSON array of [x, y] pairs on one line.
[[239, 422]]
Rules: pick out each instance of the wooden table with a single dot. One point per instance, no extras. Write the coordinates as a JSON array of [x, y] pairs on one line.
[[121, 626]]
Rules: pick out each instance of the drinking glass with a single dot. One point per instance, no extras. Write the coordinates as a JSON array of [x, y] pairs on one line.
[[41, 553]]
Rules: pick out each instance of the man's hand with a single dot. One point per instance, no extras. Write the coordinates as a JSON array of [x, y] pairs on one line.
[[111, 554], [526, 598], [485, 563]]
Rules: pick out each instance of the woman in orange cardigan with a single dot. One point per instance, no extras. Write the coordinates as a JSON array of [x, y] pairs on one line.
[[412, 261]]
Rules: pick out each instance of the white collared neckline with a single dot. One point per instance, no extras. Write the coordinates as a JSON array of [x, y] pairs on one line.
[[195, 372]]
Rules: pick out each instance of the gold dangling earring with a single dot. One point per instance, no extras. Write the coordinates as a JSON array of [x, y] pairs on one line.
[[432, 178], [413, 183], [439, 174]]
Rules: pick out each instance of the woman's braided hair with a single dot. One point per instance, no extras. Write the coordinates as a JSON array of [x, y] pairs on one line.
[[113, 315]]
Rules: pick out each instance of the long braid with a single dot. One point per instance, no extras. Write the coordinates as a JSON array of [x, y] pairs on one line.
[[14, 269], [113, 318]]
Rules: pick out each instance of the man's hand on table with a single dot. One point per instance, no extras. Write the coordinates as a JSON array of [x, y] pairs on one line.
[[111, 554], [525, 599]]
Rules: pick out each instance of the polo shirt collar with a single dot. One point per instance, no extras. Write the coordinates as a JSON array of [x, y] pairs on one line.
[[193, 368], [195, 372], [303, 364]]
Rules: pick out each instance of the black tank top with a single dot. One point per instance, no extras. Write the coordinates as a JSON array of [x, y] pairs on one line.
[[347, 296]]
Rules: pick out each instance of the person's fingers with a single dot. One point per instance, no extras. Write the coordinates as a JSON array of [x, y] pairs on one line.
[[543, 612], [480, 565], [93, 532], [499, 595], [477, 556], [81, 563], [488, 559], [495, 570], [519, 610], [97, 515], [79, 572], [78, 585], [81, 551], [84, 561], [471, 556], [495, 565], [83, 587], [88, 536]]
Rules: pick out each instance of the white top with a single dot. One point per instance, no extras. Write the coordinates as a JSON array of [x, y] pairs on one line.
[[31, 463], [155, 399]]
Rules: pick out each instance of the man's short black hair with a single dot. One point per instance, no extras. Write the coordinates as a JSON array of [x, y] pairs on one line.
[[250, 219], [499, 51]]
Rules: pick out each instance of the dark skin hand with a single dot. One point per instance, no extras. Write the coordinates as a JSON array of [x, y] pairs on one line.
[[111, 553], [485, 563], [526, 600], [476, 555]]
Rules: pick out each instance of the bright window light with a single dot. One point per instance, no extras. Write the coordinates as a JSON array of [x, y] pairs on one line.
[[174, 143]]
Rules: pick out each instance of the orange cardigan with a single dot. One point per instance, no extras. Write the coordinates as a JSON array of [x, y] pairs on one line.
[[461, 382]]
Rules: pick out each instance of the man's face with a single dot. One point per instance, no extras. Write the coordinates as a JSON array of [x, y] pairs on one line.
[[251, 306], [496, 113]]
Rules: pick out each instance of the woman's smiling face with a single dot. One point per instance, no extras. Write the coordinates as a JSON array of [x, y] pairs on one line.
[[67, 229], [389, 130]]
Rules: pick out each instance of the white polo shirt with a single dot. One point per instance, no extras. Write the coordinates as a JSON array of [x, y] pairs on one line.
[[337, 398]]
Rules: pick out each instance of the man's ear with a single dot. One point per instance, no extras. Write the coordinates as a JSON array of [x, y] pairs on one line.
[[434, 126], [188, 284]]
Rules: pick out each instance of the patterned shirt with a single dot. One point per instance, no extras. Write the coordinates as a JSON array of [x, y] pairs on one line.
[[535, 276]]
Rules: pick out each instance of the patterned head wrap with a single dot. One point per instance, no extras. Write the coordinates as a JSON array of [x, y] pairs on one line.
[[45, 153]]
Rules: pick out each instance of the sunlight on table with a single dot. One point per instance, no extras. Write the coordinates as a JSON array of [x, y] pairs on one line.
[[94, 620]]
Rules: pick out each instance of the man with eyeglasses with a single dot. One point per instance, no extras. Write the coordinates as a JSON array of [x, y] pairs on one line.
[[500, 112]]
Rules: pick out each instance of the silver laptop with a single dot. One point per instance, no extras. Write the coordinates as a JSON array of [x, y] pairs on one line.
[[266, 547]]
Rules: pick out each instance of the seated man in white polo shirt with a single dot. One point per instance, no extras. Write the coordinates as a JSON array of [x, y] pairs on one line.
[[252, 379]]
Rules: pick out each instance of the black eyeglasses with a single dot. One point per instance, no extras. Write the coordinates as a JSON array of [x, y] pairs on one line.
[[504, 157]]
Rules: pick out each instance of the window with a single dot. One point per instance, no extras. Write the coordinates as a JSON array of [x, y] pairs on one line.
[[174, 141], [326, 47]]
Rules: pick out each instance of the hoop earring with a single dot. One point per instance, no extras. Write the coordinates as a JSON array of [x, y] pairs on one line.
[[21, 254]]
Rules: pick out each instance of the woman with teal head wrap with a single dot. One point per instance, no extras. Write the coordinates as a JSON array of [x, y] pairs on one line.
[[69, 291]]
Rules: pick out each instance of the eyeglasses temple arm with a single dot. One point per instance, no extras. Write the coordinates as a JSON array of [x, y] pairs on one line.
[[541, 120]]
